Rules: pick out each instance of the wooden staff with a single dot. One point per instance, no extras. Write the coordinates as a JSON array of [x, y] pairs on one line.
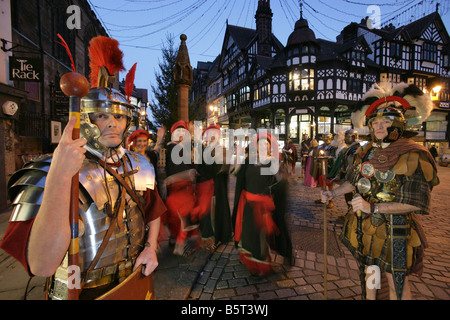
[[362, 269], [359, 237], [324, 161], [73, 255], [75, 86]]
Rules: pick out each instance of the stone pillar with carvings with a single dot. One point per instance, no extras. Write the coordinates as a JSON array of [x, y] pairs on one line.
[[184, 77]]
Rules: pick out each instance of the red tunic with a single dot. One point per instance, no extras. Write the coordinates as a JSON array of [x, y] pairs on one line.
[[15, 240]]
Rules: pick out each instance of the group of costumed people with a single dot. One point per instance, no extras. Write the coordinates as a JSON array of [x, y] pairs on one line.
[[196, 196], [338, 152], [387, 183], [116, 235]]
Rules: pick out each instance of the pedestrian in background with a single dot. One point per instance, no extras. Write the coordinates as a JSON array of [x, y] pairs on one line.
[[326, 149], [291, 155], [434, 151], [305, 147], [309, 179]]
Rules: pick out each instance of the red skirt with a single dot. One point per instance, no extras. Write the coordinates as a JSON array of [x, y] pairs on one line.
[[204, 193], [262, 206], [179, 202]]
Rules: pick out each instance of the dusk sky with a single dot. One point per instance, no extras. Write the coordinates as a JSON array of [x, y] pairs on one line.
[[142, 26]]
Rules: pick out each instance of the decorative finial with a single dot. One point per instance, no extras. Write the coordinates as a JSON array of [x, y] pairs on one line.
[[301, 9]]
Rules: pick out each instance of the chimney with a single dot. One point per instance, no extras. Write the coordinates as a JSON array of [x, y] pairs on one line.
[[263, 18]]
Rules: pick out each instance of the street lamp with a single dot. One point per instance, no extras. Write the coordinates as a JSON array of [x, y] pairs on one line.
[[213, 110], [435, 92], [437, 89], [142, 118]]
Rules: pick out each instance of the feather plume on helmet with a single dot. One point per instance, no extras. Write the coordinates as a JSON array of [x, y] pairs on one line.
[[129, 82], [404, 103], [104, 52]]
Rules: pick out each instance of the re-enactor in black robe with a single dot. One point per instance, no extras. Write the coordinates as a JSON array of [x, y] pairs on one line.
[[259, 218]]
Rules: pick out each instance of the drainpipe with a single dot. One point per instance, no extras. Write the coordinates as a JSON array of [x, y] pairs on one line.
[[41, 84]]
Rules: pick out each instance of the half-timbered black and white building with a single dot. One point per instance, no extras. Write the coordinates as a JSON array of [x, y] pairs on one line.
[[310, 85]]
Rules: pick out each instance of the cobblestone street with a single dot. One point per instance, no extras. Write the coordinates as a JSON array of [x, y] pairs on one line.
[[220, 275], [224, 277]]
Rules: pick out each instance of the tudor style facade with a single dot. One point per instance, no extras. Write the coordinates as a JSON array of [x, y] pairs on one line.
[[242, 68], [417, 53], [310, 85]]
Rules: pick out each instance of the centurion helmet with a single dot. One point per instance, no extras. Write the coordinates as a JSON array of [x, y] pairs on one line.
[[351, 133], [393, 102], [105, 60]]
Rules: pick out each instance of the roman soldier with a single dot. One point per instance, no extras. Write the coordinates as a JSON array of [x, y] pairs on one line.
[[346, 143], [353, 143], [119, 205], [391, 177]]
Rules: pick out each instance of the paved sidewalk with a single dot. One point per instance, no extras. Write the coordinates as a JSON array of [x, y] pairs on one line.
[[225, 278]]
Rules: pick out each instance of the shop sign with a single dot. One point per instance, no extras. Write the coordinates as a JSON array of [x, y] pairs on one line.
[[444, 105], [25, 69]]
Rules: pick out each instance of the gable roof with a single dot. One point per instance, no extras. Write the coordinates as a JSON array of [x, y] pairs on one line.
[[244, 38], [213, 73], [402, 31], [416, 29], [353, 43]]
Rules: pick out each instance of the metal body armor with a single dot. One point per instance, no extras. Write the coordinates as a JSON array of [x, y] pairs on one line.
[[26, 187], [376, 186]]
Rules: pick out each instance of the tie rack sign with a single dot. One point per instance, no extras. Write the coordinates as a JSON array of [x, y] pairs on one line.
[[25, 69]]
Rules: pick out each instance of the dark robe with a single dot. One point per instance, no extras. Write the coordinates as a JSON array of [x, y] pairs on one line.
[[212, 207], [253, 233]]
